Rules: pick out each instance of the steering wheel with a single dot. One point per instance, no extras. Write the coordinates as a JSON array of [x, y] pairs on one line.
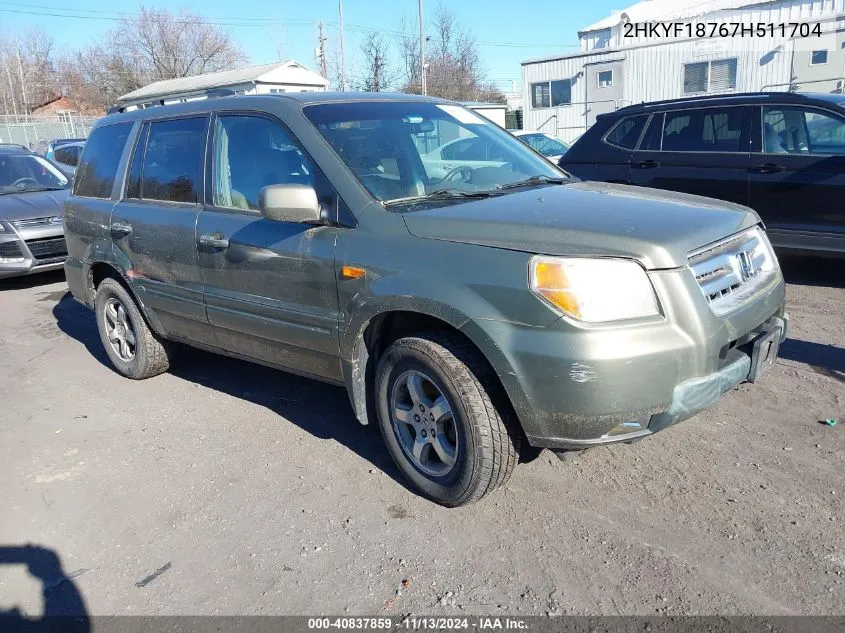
[[22, 181], [464, 172]]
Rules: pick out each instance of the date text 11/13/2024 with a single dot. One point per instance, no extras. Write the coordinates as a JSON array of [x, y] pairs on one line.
[[419, 623], [676, 30]]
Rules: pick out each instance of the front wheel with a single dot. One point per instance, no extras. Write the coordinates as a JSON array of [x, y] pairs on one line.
[[438, 420]]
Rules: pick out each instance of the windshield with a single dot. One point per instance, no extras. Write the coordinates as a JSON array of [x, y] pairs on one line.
[[406, 149], [544, 144], [27, 172]]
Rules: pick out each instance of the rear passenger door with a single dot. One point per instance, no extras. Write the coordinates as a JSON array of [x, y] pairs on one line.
[[798, 176], [703, 151], [153, 225], [270, 287]]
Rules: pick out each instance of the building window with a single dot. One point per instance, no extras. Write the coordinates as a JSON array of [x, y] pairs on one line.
[[714, 76], [276, 91], [550, 94], [63, 116], [818, 58], [605, 78]]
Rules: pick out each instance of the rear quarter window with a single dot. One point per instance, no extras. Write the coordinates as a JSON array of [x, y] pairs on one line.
[[98, 168], [626, 133]]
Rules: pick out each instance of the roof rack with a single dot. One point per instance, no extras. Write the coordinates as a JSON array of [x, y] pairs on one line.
[[718, 97], [211, 93]]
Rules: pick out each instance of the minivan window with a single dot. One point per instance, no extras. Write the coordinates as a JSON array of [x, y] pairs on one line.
[[627, 132], [67, 155], [251, 153], [98, 167], [796, 130], [703, 130], [172, 162]]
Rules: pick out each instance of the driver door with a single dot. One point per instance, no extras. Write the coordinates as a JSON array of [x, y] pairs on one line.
[[269, 287], [797, 180]]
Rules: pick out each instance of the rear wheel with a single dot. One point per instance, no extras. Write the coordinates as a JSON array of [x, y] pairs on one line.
[[134, 350], [438, 420]]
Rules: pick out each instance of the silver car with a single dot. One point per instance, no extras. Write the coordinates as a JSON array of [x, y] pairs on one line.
[[32, 192]]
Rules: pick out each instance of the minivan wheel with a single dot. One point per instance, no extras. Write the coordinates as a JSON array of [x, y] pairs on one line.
[[130, 345], [438, 420]]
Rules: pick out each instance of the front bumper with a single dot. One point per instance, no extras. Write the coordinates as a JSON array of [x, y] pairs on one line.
[[30, 251], [573, 386]]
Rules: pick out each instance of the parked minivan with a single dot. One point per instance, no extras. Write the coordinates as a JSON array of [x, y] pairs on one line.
[[782, 154], [467, 313]]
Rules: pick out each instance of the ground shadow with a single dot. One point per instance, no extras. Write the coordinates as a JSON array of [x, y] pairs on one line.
[[813, 271], [64, 607], [31, 281], [320, 409], [827, 360]]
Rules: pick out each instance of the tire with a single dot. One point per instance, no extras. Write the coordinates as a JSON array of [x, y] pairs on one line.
[[118, 317], [472, 452]]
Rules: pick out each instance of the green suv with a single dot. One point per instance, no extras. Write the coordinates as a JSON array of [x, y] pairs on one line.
[[470, 304]]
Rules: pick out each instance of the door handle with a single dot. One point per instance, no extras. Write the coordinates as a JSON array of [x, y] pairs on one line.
[[769, 168], [647, 164], [120, 230], [214, 240]]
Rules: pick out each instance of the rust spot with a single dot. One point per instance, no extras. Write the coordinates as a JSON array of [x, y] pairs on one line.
[[134, 274]]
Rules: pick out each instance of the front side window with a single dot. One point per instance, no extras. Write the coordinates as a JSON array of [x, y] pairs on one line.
[[546, 145], [795, 130], [251, 153], [26, 172], [704, 130], [172, 164], [384, 143], [712, 76], [98, 165], [627, 132]]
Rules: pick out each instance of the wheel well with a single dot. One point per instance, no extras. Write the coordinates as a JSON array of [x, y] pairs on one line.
[[98, 272], [386, 328]]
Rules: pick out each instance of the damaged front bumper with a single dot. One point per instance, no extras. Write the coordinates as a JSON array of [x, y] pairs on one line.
[[748, 361]]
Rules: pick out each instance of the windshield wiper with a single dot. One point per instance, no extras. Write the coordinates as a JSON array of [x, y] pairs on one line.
[[442, 194], [535, 180]]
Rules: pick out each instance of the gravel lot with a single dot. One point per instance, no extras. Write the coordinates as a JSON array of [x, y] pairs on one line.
[[228, 488]]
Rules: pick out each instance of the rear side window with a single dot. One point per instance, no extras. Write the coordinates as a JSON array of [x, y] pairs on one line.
[[704, 130], [172, 164], [67, 155], [627, 132], [98, 167]]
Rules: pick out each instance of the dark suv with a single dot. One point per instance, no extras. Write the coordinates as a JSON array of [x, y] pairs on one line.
[[781, 154], [467, 307]]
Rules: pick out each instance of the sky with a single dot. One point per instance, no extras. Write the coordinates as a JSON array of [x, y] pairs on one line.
[[507, 32]]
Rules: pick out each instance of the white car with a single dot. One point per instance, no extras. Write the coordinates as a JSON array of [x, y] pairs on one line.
[[549, 146], [473, 152]]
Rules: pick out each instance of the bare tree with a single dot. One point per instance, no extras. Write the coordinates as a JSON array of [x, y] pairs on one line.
[[377, 74], [27, 73], [454, 69], [155, 44]]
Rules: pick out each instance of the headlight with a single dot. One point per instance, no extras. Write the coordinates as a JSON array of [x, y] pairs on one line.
[[594, 290]]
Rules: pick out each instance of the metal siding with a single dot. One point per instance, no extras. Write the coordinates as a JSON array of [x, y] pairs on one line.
[[761, 64]]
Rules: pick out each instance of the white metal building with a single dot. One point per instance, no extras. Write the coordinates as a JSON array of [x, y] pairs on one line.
[[619, 64], [286, 76]]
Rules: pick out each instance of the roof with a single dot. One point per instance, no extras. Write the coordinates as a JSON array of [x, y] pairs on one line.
[[667, 10], [286, 72], [12, 148], [747, 97], [482, 104]]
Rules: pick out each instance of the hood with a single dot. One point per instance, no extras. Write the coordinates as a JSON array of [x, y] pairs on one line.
[[32, 204], [657, 228]]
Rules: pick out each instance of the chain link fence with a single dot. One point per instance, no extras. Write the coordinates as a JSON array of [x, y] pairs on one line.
[[28, 130]]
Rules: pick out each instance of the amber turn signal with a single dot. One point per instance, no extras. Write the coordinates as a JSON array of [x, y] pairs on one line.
[[351, 272]]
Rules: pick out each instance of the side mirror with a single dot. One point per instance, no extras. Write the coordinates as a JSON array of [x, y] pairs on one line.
[[289, 203]]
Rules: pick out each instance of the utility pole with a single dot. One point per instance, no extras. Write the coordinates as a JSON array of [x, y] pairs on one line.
[[342, 68], [422, 49], [321, 51]]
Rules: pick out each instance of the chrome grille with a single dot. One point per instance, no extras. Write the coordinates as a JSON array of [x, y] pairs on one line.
[[29, 222], [730, 270]]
